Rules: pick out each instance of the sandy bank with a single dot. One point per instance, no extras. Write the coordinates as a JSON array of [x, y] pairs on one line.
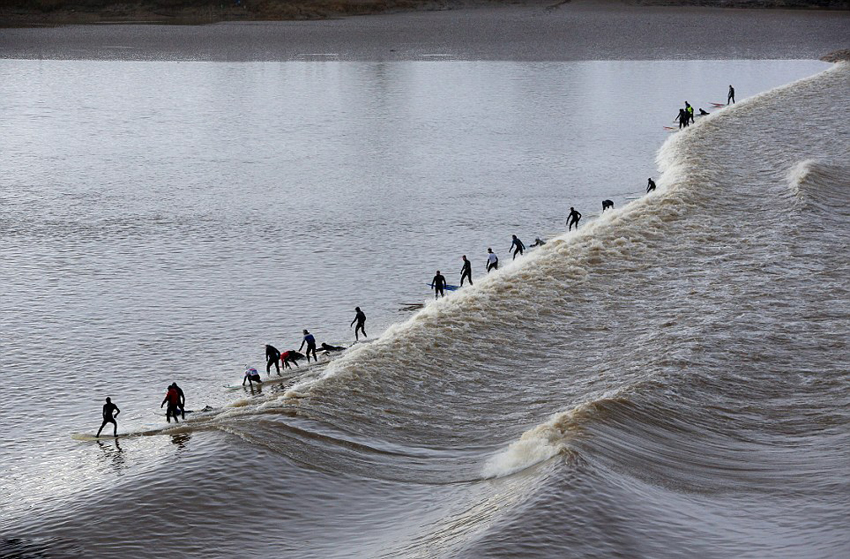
[[584, 30], [30, 13]]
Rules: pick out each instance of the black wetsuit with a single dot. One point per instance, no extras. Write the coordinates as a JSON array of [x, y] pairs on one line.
[[519, 247], [650, 185], [573, 219], [272, 357], [360, 319], [108, 408], [181, 400], [731, 95], [684, 118], [439, 285], [466, 272]]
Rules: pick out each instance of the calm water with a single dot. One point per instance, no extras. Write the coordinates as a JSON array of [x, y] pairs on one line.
[[672, 376]]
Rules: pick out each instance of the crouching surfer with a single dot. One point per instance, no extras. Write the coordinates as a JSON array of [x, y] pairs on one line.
[[252, 376]]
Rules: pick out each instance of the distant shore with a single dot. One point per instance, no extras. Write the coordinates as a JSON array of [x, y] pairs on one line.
[[578, 30], [37, 13]]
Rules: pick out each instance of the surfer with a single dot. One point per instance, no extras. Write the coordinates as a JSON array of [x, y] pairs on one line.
[[466, 271], [311, 346], [173, 400], [360, 319], [108, 417], [538, 242], [439, 285], [702, 112], [328, 348], [252, 376], [492, 260], [573, 219], [650, 185], [291, 356], [731, 95], [690, 111], [182, 399], [519, 246], [683, 118], [607, 204], [272, 357]]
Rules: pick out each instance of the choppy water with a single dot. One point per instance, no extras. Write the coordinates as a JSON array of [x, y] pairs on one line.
[[671, 380]]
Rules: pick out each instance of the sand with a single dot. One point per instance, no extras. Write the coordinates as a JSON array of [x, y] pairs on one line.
[[583, 30]]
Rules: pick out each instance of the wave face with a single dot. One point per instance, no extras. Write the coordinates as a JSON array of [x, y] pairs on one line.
[[671, 379], [683, 358]]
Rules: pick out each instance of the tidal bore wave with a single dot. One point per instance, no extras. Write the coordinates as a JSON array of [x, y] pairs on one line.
[[685, 353]]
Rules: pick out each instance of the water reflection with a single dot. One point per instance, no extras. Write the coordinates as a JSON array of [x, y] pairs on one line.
[[181, 439], [113, 454]]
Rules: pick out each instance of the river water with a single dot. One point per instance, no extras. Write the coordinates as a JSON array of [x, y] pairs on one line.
[[672, 377]]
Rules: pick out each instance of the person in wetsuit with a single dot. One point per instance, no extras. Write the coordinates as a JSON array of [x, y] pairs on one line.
[[311, 346], [683, 118], [538, 242], [702, 112], [290, 356], [182, 399], [650, 185], [173, 400], [252, 376], [272, 357], [492, 260], [108, 417], [438, 284], [690, 111], [573, 219], [466, 271], [327, 348], [360, 319], [515, 242], [731, 95]]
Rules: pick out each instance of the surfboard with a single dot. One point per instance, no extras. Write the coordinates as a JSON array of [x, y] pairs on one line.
[[91, 438], [448, 287], [719, 104]]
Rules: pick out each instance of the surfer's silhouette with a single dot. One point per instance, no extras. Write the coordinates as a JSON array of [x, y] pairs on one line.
[[573, 219], [438, 284], [519, 246], [360, 319], [731, 95], [466, 271], [272, 357], [650, 185], [108, 417]]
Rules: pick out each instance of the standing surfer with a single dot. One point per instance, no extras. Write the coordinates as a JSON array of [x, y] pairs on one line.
[[108, 417], [519, 246], [731, 95], [492, 260], [360, 319], [573, 219], [439, 285], [173, 400], [311, 346], [272, 356], [181, 399], [466, 271]]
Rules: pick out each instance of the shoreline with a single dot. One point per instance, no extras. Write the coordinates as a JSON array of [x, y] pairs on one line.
[[205, 12], [529, 32]]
